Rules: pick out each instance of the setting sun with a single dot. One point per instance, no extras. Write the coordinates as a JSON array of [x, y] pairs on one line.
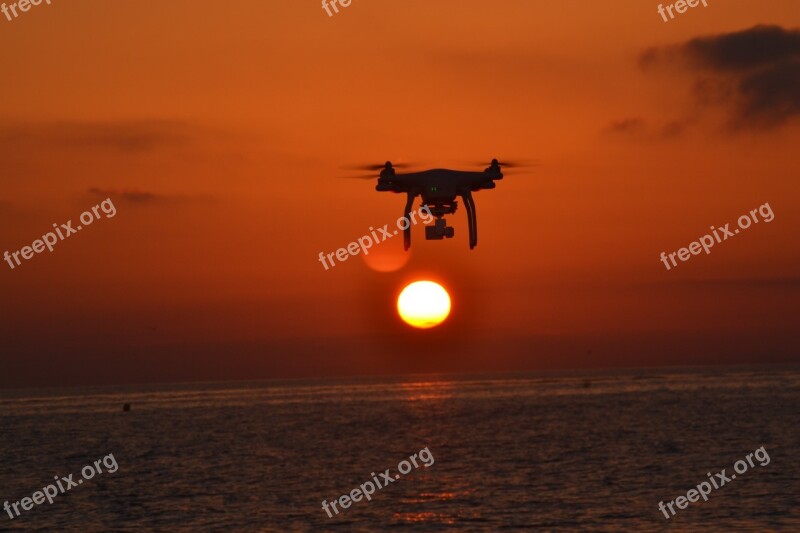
[[423, 304]]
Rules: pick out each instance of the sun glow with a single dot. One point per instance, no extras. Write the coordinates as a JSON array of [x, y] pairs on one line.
[[423, 304]]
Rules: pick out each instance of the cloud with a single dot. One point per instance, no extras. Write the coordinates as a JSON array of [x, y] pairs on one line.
[[132, 196], [135, 136], [639, 128], [745, 50], [135, 196], [631, 125], [754, 73], [772, 95]]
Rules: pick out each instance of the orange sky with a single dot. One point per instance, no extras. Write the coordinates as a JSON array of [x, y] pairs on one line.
[[234, 120]]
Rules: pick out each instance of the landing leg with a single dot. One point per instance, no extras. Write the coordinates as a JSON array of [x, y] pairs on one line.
[[407, 231], [472, 219]]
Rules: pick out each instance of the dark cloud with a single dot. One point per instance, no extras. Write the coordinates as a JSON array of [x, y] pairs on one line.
[[125, 136], [755, 73], [636, 127], [744, 50], [673, 128], [654, 56], [631, 125], [136, 196], [771, 95]]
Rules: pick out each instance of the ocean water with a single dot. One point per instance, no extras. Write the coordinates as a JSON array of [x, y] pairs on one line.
[[588, 452]]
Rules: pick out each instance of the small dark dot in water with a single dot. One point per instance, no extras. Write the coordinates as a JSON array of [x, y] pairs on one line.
[[126, 407]]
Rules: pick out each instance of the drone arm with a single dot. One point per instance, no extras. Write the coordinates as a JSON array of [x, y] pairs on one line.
[[407, 231]]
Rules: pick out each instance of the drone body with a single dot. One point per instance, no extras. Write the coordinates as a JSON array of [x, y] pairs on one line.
[[439, 189]]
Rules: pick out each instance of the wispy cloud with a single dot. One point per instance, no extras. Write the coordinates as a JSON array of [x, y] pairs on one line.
[[124, 136], [639, 128], [141, 197], [132, 196], [627, 125], [754, 73]]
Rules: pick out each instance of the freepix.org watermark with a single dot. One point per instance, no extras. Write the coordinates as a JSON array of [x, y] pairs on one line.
[[720, 234], [367, 241], [63, 485], [680, 6], [367, 489], [50, 239], [23, 5], [718, 480], [327, 4]]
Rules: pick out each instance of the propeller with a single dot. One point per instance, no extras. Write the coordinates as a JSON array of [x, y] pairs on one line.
[[360, 177], [376, 167], [511, 163]]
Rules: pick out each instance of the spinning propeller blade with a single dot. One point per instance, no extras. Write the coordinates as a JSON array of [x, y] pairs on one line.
[[359, 177], [510, 163], [376, 167]]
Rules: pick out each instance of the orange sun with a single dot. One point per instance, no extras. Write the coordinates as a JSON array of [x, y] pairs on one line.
[[423, 304]]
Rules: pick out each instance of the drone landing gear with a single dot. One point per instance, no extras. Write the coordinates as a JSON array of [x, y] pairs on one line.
[[407, 231], [472, 219]]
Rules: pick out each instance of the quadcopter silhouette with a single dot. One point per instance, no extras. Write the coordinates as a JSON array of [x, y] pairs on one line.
[[438, 189]]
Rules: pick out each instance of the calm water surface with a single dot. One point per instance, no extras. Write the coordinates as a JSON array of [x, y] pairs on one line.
[[562, 453]]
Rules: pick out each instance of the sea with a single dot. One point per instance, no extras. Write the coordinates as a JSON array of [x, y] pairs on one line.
[[569, 451]]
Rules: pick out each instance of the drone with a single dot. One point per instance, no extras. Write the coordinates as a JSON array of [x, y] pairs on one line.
[[438, 189]]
